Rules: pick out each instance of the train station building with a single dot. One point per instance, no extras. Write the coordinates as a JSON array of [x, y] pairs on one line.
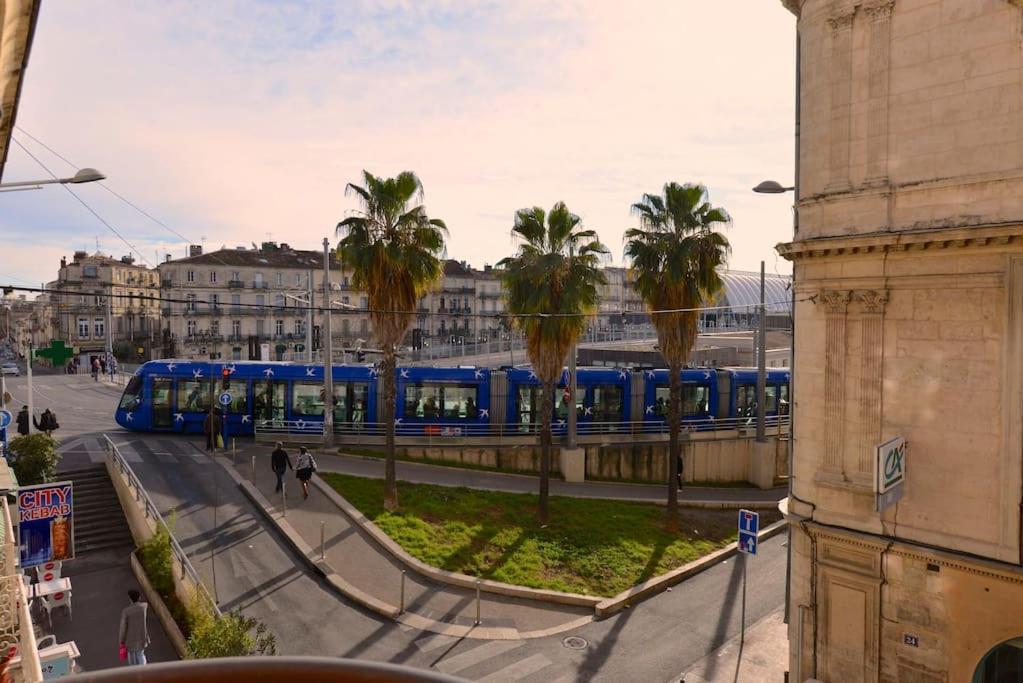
[[908, 263]]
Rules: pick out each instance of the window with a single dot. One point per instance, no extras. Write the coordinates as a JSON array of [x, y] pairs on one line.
[[215, 327], [236, 300], [298, 279], [83, 328], [236, 353], [364, 303], [695, 400], [299, 327], [132, 395], [280, 301], [98, 328], [268, 400], [260, 329], [440, 401], [190, 276], [307, 398], [89, 271], [213, 277], [345, 300], [350, 402], [1003, 663], [257, 280], [280, 279], [214, 300], [190, 304], [191, 328], [236, 328], [745, 399], [260, 300], [193, 396], [235, 276], [279, 328], [607, 403]]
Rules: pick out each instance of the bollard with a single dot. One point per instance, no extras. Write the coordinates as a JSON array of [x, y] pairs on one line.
[[401, 601], [234, 451], [253, 469], [323, 526], [284, 498], [477, 602]]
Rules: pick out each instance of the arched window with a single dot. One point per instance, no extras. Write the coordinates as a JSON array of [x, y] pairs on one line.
[[1003, 664]]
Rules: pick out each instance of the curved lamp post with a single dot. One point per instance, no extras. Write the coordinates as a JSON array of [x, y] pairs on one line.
[[84, 175]]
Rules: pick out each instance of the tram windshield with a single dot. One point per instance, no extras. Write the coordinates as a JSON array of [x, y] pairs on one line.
[[132, 396]]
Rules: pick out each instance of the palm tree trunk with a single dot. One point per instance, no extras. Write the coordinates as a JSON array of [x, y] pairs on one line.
[[546, 408], [674, 447], [390, 478]]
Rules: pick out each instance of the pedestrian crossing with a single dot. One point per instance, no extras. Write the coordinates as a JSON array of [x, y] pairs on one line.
[[164, 451], [477, 663]]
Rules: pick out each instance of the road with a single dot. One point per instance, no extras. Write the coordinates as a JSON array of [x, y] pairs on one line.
[[257, 574]]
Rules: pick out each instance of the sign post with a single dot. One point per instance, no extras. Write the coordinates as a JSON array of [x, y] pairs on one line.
[[889, 472], [46, 525], [5, 421], [749, 527]]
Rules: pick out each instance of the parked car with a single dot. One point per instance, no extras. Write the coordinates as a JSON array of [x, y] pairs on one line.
[[10, 369]]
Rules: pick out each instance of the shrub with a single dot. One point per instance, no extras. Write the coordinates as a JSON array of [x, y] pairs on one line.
[[229, 635], [35, 459], [158, 562]]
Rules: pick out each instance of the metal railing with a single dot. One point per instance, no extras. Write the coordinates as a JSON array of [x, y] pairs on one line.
[[16, 627], [459, 434], [152, 512]]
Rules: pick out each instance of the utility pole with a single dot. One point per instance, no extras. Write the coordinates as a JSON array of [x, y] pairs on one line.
[[571, 379], [110, 318], [328, 355], [761, 361], [309, 316]]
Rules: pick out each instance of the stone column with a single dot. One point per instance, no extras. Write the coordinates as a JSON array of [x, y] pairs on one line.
[[871, 371], [841, 25], [880, 16], [836, 304]]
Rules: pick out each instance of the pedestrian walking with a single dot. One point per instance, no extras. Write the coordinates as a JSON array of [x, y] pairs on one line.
[[133, 634], [305, 466], [211, 428], [279, 463], [103, 365], [47, 422], [23, 422], [95, 369]]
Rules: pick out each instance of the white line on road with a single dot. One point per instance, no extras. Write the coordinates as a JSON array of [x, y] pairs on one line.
[[477, 655], [518, 670]]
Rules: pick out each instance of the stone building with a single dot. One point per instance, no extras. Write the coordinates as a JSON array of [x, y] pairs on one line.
[[27, 323], [908, 258], [80, 306], [228, 304]]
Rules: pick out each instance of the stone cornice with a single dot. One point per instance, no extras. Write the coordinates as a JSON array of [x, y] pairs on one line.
[[796, 6], [904, 240]]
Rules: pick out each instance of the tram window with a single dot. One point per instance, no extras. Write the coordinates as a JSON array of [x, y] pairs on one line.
[[307, 398], [350, 402], [607, 403], [783, 408], [662, 395], [528, 400], [268, 400], [193, 396], [695, 400], [239, 398], [771, 397], [432, 401], [745, 398], [132, 394]]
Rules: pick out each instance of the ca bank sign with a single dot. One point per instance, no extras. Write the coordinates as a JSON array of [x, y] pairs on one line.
[[889, 472]]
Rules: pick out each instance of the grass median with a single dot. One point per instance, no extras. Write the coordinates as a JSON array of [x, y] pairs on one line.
[[596, 547]]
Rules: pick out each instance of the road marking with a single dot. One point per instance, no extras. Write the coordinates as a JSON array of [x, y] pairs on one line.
[[165, 458], [431, 643], [476, 655], [518, 670], [97, 456]]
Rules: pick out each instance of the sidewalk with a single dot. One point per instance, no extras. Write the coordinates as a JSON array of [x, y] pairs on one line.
[[765, 656], [418, 473], [362, 563]]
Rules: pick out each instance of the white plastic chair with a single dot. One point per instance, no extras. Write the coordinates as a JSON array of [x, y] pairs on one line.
[[48, 571], [51, 602], [46, 641]]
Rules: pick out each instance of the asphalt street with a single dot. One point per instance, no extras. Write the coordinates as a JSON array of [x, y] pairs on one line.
[[257, 574]]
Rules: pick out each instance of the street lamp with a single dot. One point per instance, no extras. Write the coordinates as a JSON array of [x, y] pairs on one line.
[[84, 175], [772, 187]]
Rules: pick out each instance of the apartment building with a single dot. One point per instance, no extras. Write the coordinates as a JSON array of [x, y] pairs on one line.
[[83, 315]]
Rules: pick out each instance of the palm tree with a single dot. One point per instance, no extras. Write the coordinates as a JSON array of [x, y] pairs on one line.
[[675, 255], [551, 285], [393, 249]]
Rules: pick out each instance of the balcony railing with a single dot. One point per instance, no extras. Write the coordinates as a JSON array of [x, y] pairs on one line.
[[235, 284], [261, 285]]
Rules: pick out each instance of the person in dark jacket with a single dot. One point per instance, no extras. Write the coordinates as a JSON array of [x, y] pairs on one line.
[[211, 428], [280, 463], [133, 632], [23, 422], [47, 422]]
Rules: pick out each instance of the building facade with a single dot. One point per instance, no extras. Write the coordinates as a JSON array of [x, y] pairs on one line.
[[85, 317], [27, 323], [908, 263]]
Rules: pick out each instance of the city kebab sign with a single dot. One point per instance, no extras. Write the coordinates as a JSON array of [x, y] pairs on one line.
[[46, 523]]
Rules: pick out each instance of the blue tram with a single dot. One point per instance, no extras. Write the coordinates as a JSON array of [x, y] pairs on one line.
[[175, 395]]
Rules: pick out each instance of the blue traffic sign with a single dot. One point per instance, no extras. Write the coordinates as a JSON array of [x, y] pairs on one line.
[[5, 418], [226, 398], [749, 526]]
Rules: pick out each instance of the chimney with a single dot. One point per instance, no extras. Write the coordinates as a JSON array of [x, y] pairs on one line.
[[129, 259], [79, 255], [63, 262], [194, 250], [166, 258]]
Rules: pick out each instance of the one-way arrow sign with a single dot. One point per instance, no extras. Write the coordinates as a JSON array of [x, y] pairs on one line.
[[749, 525]]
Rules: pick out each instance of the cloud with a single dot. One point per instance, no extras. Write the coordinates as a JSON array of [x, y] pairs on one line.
[[231, 120]]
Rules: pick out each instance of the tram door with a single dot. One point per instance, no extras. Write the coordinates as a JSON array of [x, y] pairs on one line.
[[606, 407], [529, 400], [268, 401], [163, 417]]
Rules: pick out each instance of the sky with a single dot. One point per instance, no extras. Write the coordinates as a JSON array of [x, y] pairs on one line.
[[241, 122]]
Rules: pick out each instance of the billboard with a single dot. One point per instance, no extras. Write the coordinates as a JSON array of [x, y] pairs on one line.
[[46, 525], [889, 472]]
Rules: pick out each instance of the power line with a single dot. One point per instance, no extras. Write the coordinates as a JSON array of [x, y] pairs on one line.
[[83, 202], [415, 313]]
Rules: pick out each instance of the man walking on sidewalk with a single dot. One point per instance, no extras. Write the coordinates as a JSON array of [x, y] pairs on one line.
[[211, 428], [280, 463], [133, 633]]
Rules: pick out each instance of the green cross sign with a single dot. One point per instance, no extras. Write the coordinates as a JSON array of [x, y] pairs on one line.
[[57, 353]]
